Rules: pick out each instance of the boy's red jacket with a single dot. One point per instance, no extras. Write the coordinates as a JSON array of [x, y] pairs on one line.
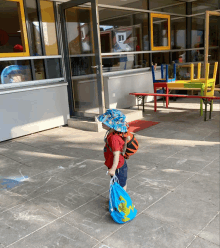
[[116, 143]]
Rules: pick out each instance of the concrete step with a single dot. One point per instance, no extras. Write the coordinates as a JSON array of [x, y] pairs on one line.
[[90, 124]]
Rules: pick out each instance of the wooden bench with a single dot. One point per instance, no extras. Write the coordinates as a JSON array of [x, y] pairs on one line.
[[206, 100]]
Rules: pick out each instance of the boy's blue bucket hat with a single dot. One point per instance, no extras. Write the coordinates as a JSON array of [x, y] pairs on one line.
[[114, 119]]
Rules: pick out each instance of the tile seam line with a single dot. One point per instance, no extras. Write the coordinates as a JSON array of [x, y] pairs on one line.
[[57, 188], [26, 200], [49, 223], [197, 235], [154, 204], [58, 219], [40, 174]]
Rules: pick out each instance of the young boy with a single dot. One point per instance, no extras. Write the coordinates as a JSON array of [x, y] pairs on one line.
[[114, 122]]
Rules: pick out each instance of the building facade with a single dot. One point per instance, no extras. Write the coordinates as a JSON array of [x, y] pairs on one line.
[[60, 59]]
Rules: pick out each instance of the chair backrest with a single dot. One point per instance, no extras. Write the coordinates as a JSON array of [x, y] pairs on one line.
[[166, 78]]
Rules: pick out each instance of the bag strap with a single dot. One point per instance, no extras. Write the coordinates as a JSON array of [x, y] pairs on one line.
[[124, 147], [112, 181]]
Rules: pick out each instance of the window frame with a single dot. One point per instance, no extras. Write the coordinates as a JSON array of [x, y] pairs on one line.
[[162, 16], [24, 33]]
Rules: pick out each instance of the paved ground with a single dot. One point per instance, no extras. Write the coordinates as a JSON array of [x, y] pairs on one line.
[[53, 186]]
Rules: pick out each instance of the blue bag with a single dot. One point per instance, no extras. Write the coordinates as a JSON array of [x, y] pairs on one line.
[[121, 207]]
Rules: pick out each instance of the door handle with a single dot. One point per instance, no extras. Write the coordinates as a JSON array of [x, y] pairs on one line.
[[96, 66]]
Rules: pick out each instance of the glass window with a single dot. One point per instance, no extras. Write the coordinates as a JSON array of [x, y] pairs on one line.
[[197, 35], [213, 31], [123, 31], [160, 58], [203, 5], [15, 71], [13, 33], [176, 9], [178, 38], [39, 69], [53, 66], [160, 3], [49, 27], [34, 27], [116, 27], [141, 4]]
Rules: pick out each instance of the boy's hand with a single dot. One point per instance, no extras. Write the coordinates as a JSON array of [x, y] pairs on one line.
[[111, 172]]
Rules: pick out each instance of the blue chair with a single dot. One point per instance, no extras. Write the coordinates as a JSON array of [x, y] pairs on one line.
[[165, 79]]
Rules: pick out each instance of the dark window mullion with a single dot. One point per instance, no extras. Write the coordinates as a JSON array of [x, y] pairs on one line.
[[59, 38], [30, 38], [42, 38]]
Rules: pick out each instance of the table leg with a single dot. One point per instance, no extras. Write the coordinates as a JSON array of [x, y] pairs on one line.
[[210, 113], [205, 101], [167, 98], [143, 97]]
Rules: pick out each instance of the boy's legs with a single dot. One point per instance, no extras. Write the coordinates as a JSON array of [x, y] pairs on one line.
[[122, 174]]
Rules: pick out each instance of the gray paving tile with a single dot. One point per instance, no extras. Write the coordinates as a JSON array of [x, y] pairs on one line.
[[9, 199], [5, 162], [93, 219], [143, 195], [213, 169], [184, 210], [175, 164], [164, 149], [204, 188], [17, 174], [156, 132], [62, 131], [74, 151], [21, 221], [20, 152], [156, 178], [75, 170], [145, 232], [202, 243], [40, 141], [211, 232], [199, 153], [57, 234], [68, 197], [37, 185], [148, 157], [49, 161]]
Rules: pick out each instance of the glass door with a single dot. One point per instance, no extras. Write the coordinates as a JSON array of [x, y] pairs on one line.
[[80, 32]]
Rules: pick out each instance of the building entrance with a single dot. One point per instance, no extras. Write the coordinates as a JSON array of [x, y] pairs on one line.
[[82, 57]]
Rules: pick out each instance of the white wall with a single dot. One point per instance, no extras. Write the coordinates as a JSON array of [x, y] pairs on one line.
[[118, 87], [26, 112]]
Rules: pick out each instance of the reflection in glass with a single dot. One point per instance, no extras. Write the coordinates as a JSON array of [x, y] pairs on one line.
[[80, 38], [53, 66], [160, 32], [39, 69], [34, 27], [82, 60], [11, 31], [160, 58], [15, 71], [202, 6], [141, 4], [178, 38], [49, 27]]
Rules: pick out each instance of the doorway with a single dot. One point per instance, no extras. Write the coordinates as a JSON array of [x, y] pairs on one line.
[[82, 55]]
